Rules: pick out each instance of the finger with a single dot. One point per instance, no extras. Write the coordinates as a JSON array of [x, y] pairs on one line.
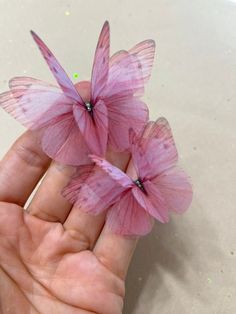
[[111, 248], [48, 203], [22, 168], [87, 227], [84, 227], [115, 251]]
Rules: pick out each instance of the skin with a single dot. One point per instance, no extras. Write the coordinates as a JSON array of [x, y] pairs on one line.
[[54, 258]]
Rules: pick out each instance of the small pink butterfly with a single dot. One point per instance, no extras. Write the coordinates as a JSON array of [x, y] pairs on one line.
[[155, 187], [73, 126]]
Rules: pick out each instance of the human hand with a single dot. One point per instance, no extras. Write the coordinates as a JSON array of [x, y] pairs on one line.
[[54, 258]]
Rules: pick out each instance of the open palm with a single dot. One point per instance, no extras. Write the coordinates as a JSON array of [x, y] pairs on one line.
[[54, 258]]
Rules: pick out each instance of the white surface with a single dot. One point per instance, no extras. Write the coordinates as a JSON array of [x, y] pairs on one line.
[[187, 266]]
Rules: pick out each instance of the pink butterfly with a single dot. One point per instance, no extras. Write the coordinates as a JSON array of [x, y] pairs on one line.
[[72, 126], [155, 186]]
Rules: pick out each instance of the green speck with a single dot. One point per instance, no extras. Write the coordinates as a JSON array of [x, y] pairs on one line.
[[75, 75]]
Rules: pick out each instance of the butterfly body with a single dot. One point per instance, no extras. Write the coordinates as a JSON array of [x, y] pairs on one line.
[[140, 185], [89, 107]]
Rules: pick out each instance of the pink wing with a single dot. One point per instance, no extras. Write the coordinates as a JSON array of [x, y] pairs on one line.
[[127, 75], [127, 217], [159, 129], [125, 78], [125, 113], [154, 151], [94, 127], [58, 72], [93, 191], [124, 110], [144, 56], [152, 201], [45, 108], [71, 191], [115, 173], [175, 188], [101, 63], [63, 141], [145, 51], [30, 100]]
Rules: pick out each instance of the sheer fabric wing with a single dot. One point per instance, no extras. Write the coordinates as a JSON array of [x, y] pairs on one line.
[[143, 57], [57, 70], [154, 150], [127, 75], [101, 63], [94, 127], [152, 202], [176, 189], [125, 113], [124, 109], [45, 108], [82, 173], [159, 130], [127, 217], [125, 78], [145, 52], [34, 103], [115, 173], [93, 193], [63, 141]]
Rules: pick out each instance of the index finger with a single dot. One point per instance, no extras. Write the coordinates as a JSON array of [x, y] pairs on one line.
[[21, 169]]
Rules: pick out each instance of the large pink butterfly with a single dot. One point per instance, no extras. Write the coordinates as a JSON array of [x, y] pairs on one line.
[[72, 126], [155, 187]]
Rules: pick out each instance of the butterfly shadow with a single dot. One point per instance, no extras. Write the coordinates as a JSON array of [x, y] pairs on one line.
[[165, 253]]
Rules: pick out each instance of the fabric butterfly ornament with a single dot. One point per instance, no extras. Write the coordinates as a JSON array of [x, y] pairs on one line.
[[153, 187], [71, 126]]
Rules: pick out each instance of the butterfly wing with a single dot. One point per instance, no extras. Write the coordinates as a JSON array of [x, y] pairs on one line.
[[115, 173], [159, 129], [152, 201], [45, 108], [125, 113], [93, 191], [124, 109], [145, 52], [30, 102], [175, 188], [63, 141], [101, 63], [141, 58], [125, 77], [128, 73], [154, 150], [58, 72], [71, 191], [123, 83], [127, 217], [94, 127]]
